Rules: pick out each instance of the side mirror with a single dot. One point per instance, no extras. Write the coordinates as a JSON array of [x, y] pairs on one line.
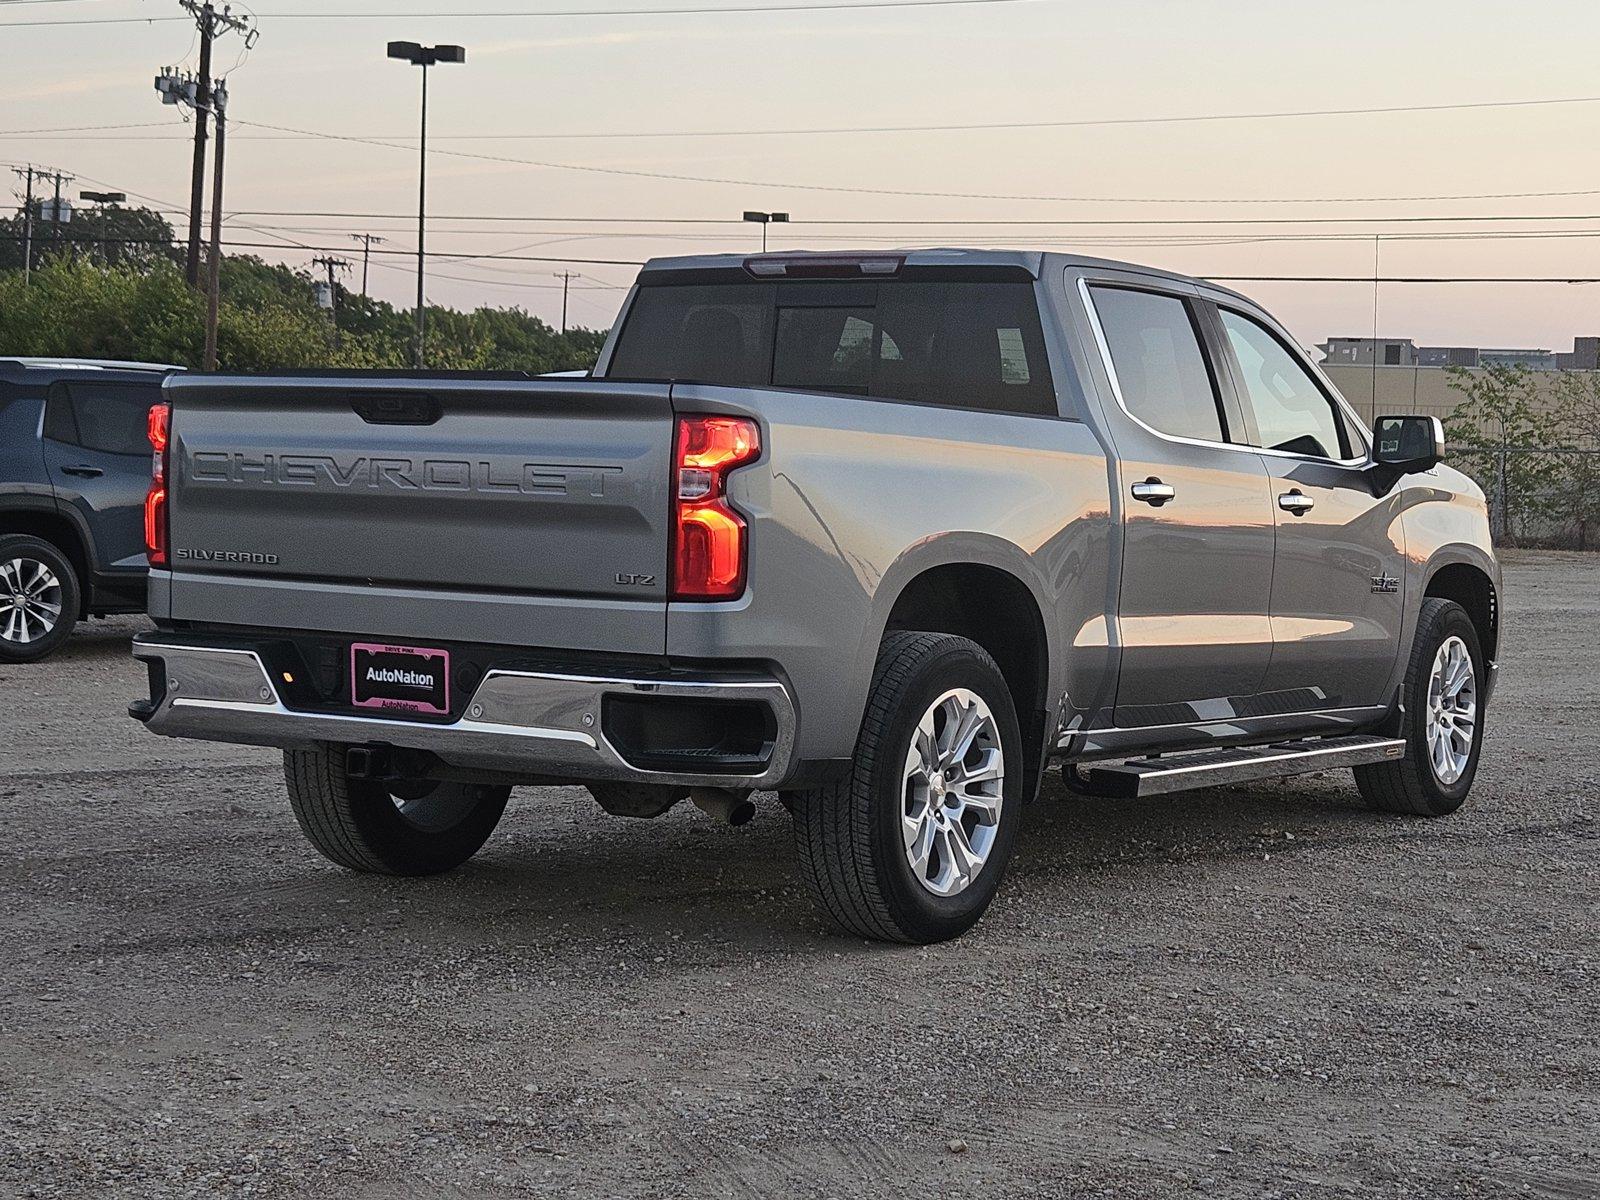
[[1414, 443]]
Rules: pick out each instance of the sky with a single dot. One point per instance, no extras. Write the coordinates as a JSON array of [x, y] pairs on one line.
[[592, 87]]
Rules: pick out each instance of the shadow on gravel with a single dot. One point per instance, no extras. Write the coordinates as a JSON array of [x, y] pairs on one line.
[[1066, 831], [95, 641], [559, 869]]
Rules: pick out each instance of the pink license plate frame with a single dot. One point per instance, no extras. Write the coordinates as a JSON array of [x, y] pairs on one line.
[[401, 660]]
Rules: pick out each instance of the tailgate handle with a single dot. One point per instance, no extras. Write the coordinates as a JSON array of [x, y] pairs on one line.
[[396, 408]]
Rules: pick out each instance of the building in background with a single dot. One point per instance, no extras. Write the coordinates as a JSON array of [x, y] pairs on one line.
[[1365, 352], [1447, 356], [1403, 352]]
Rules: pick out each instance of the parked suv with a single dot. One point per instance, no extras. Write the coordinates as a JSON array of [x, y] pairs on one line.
[[887, 534], [74, 470]]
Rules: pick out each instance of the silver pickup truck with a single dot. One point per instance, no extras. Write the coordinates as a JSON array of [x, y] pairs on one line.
[[887, 534]]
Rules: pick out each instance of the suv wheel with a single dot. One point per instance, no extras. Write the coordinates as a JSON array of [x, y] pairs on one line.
[[39, 598], [1443, 725], [911, 845], [420, 827]]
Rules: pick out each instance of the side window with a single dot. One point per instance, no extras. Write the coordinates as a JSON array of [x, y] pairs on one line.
[[1161, 370], [59, 423], [113, 418], [1292, 412]]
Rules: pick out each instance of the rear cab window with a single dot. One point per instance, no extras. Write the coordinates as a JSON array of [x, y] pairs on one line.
[[974, 345]]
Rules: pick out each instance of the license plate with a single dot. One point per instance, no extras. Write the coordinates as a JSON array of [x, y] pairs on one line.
[[410, 679]]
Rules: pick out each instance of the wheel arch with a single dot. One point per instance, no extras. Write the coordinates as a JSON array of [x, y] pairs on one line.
[[1474, 588], [984, 589], [51, 525]]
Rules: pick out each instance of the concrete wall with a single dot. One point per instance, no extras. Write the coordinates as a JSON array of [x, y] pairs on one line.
[[1402, 390]]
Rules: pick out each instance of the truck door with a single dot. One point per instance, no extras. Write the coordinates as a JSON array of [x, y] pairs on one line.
[[1197, 515], [1338, 579]]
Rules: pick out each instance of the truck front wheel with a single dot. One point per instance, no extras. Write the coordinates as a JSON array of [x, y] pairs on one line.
[[417, 827], [911, 845]]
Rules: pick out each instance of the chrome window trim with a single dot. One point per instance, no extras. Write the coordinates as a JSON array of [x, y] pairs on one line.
[[1085, 283]]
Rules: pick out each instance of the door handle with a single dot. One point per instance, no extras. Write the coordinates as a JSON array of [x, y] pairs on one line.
[[83, 472], [1297, 502], [1153, 491]]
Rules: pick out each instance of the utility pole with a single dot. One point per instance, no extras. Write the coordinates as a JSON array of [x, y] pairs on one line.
[[219, 102], [566, 278], [332, 263], [30, 216], [368, 241], [56, 214], [209, 22], [26, 172]]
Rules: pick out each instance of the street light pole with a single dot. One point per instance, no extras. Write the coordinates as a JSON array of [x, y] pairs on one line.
[[764, 219], [424, 57], [102, 199], [422, 225]]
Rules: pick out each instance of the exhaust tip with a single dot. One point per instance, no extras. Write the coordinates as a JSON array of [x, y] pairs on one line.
[[729, 808]]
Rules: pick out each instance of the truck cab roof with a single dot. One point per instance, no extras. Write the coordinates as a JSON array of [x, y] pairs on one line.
[[887, 263]]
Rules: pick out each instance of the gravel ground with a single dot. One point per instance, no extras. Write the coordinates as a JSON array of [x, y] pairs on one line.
[[1261, 991]]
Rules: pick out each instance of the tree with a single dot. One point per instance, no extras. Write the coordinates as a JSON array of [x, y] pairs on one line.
[[1577, 494], [118, 236], [1502, 435]]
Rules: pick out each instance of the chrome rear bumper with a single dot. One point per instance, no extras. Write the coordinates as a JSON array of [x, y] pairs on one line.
[[538, 723]]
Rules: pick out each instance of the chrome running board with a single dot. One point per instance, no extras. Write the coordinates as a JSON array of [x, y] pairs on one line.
[[1238, 764]]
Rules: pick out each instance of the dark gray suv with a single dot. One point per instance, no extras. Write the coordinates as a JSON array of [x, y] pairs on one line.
[[74, 470]]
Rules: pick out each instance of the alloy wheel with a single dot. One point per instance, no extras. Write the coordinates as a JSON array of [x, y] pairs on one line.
[[952, 789], [1452, 716], [30, 601]]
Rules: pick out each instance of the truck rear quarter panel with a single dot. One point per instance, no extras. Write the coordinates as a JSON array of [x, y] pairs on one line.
[[854, 498]]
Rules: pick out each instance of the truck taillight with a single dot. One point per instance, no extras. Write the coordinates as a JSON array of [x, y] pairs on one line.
[[708, 534], [155, 501]]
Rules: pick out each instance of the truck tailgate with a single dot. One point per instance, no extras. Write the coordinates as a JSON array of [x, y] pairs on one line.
[[535, 510]]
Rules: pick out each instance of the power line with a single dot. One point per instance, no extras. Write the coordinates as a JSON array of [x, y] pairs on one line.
[[616, 262], [933, 221], [565, 14], [977, 126], [677, 177]]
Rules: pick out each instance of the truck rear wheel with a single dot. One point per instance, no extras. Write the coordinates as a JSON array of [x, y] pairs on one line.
[[911, 845], [1443, 723], [417, 827]]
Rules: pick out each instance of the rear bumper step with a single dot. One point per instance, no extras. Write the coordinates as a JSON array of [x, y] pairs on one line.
[[538, 723], [1239, 764]]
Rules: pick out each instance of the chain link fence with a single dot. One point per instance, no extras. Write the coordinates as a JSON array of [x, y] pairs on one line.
[[1537, 496]]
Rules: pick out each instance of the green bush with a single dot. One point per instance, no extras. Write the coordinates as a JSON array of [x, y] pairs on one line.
[[269, 319]]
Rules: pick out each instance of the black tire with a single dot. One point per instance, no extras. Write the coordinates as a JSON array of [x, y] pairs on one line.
[[388, 829], [1409, 785], [849, 833], [67, 595]]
